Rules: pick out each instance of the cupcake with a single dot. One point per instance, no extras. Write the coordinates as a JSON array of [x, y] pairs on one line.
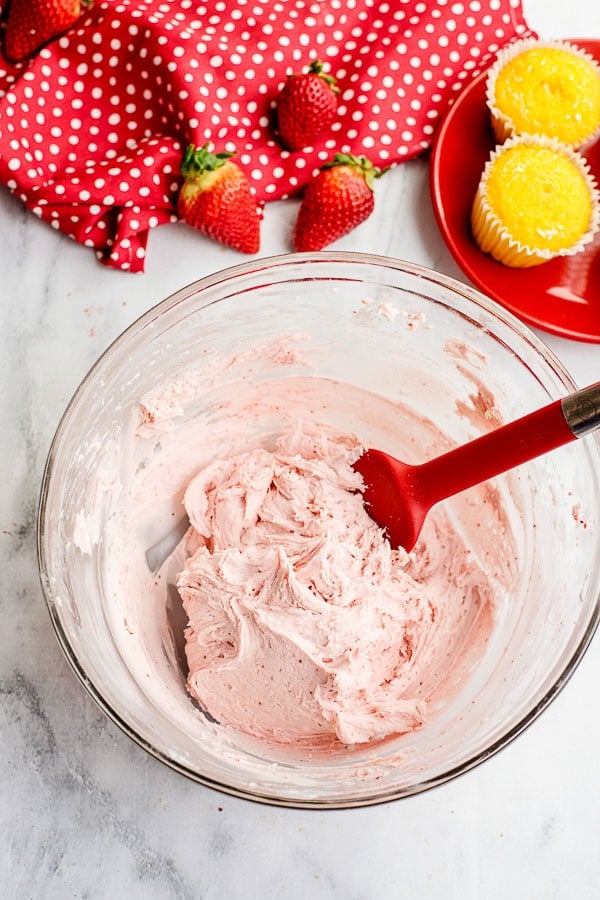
[[536, 200], [545, 88]]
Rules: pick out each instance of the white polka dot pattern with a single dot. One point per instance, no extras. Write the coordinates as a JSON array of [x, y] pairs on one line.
[[92, 127]]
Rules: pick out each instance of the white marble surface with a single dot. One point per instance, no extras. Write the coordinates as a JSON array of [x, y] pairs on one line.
[[84, 813]]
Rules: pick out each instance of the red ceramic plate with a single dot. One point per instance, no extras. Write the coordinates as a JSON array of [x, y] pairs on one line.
[[561, 296]]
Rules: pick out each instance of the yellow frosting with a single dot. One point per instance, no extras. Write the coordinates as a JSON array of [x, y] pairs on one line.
[[550, 91], [540, 196]]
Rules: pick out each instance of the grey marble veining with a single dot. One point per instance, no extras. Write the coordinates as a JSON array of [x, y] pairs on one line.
[[84, 812]]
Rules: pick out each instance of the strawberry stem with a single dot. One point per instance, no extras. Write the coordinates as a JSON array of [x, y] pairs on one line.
[[363, 165], [316, 68], [197, 160]]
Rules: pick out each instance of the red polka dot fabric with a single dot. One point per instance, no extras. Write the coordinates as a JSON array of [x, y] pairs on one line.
[[93, 126]]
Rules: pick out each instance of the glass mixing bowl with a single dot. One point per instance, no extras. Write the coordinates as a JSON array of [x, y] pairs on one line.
[[378, 330]]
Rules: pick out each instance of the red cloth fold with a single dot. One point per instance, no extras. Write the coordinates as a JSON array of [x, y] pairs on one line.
[[92, 128]]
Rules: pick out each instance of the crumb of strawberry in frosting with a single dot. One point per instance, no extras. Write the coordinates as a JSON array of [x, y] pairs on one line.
[[577, 517]]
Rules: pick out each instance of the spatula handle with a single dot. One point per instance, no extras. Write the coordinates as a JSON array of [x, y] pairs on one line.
[[511, 445], [582, 410]]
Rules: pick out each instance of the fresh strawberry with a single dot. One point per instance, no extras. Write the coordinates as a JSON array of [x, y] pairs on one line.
[[306, 107], [216, 198], [32, 23], [336, 201]]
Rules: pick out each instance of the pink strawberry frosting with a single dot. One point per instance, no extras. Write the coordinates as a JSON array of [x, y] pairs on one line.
[[305, 627]]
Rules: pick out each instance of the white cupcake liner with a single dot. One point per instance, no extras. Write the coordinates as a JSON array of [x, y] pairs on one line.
[[501, 123], [494, 237]]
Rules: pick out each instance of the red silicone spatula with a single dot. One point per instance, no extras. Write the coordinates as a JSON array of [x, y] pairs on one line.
[[398, 496]]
